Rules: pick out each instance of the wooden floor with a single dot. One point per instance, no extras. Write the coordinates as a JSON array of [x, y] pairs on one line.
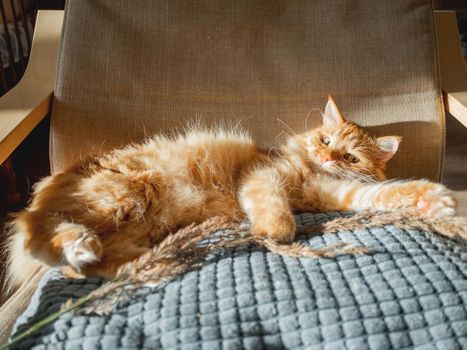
[[455, 163]]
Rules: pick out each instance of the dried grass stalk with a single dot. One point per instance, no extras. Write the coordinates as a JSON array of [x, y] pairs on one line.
[[188, 249], [451, 227]]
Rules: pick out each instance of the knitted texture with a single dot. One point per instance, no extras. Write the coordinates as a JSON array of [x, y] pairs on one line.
[[409, 292]]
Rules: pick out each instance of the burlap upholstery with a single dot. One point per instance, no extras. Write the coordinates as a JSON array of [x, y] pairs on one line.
[[130, 68]]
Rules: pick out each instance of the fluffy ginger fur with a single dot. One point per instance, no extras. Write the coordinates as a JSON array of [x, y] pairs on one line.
[[108, 210]]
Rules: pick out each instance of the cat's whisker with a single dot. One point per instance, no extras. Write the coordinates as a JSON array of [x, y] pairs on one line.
[[271, 149], [308, 115], [352, 175], [282, 132], [362, 177], [341, 172], [144, 130], [373, 176], [237, 124], [288, 127]]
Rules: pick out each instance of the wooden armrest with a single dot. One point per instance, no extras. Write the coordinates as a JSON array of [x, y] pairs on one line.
[[24, 106], [452, 65], [461, 198], [456, 104]]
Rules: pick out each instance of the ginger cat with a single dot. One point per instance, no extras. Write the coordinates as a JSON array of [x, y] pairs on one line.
[[108, 210]]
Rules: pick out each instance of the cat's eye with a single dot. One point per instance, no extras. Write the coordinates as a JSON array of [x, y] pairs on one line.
[[326, 140], [350, 158]]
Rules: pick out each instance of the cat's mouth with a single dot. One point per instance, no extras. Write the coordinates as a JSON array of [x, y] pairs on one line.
[[330, 167], [327, 168], [337, 172], [327, 165]]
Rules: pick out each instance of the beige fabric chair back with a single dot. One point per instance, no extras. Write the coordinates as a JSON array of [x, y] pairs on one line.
[[132, 68]]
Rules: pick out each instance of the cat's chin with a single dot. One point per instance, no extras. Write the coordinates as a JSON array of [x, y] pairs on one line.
[[325, 171], [333, 175]]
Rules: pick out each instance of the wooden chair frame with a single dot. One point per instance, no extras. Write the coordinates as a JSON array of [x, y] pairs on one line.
[[25, 105]]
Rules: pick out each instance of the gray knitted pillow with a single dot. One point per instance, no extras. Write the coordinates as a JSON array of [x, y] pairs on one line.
[[410, 292]]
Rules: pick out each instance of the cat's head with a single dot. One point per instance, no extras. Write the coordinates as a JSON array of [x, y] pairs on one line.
[[344, 149]]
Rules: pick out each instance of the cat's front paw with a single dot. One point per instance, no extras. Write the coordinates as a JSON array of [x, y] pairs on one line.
[[280, 228], [436, 200]]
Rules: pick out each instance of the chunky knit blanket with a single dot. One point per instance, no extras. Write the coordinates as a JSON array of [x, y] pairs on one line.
[[409, 292]]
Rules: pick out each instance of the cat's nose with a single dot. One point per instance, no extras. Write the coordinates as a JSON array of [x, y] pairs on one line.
[[325, 158]]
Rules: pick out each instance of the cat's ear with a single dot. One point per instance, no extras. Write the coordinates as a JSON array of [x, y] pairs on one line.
[[388, 146], [332, 116]]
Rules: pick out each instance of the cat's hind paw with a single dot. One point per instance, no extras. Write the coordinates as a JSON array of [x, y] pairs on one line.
[[437, 201], [83, 249]]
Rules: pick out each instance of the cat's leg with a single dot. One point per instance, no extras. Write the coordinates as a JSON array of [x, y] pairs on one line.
[[58, 241], [79, 247], [118, 197], [421, 196], [265, 201]]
